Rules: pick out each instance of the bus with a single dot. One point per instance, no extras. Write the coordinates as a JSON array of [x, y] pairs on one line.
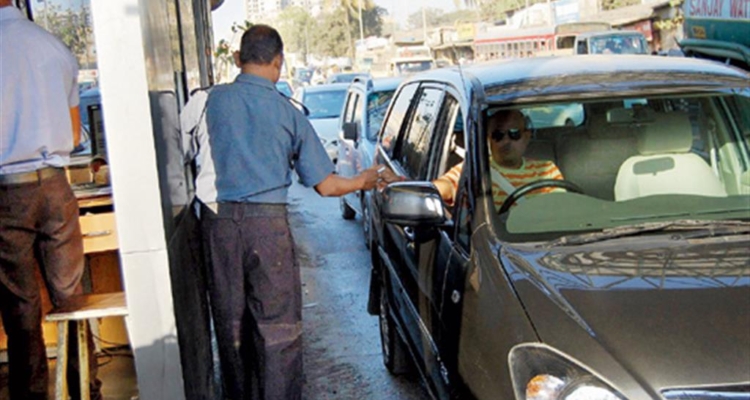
[[717, 30], [507, 42]]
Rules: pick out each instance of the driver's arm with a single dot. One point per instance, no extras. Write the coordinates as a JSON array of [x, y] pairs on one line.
[[447, 184]]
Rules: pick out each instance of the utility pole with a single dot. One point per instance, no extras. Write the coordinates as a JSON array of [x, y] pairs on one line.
[[424, 24], [361, 26]]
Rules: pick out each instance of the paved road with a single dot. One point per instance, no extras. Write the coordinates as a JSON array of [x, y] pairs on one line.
[[341, 341]]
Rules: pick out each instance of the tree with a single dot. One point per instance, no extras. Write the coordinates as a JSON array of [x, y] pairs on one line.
[[331, 39], [614, 4], [71, 26], [432, 16], [348, 12], [295, 26]]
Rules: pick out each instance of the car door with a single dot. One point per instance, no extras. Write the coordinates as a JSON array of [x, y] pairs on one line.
[[440, 257], [348, 157], [411, 156]]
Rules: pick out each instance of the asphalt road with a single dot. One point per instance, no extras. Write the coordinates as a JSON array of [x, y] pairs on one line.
[[341, 340]]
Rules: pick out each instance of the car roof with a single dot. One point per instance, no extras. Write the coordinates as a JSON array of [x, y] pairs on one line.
[[326, 87], [377, 84], [588, 75]]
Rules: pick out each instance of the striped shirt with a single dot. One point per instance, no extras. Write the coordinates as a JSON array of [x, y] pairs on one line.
[[530, 171]]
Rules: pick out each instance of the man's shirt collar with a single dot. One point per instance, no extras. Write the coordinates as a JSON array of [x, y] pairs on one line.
[[255, 80]]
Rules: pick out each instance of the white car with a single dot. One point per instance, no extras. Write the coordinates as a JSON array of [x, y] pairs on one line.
[[324, 103]]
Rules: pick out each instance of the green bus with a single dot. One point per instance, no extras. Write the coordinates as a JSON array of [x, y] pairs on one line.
[[719, 30]]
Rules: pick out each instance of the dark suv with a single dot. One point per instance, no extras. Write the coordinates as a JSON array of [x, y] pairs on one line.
[[630, 282], [366, 102]]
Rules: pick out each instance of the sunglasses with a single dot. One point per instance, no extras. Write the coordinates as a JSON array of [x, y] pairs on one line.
[[513, 134]]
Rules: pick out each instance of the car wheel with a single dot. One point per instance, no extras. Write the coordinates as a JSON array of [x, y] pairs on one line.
[[366, 223], [394, 351], [346, 211]]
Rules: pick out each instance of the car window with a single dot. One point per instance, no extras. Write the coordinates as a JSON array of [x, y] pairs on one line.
[[396, 117], [450, 129], [327, 104], [377, 104], [358, 107], [646, 159], [351, 102], [555, 115], [413, 148]]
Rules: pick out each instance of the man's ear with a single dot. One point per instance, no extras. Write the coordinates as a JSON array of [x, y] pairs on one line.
[[237, 61], [277, 61]]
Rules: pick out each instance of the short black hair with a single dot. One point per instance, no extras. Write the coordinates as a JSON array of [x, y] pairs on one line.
[[260, 44]]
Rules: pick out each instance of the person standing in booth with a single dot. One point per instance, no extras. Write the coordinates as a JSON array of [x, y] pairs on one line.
[[39, 228], [258, 139]]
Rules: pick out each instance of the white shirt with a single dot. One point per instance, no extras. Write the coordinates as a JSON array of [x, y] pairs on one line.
[[195, 143], [38, 86]]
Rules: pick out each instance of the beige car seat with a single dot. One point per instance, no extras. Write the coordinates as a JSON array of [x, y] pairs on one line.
[[665, 164]]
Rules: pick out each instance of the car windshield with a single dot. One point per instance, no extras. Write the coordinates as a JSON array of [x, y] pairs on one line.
[[617, 44], [634, 161], [324, 104], [343, 78], [377, 104], [284, 88], [410, 67]]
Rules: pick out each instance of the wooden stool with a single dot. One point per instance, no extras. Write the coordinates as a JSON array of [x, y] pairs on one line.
[[81, 309]]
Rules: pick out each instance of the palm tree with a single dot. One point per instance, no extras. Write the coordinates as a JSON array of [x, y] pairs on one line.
[[351, 12]]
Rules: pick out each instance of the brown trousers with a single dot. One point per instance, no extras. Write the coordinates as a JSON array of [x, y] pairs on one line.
[[39, 229], [256, 300]]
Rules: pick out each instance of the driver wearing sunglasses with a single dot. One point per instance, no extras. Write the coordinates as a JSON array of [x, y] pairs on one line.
[[508, 137]]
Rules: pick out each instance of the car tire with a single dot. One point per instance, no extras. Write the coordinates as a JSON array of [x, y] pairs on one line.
[[346, 211], [393, 348]]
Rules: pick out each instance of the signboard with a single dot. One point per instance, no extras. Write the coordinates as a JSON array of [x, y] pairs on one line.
[[718, 9], [566, 11], [465, 32]]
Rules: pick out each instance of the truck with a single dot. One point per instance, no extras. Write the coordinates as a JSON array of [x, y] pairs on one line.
[[717, 30]]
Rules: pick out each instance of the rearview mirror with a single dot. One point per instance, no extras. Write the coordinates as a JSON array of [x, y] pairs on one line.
[[351, 131], [412, 204]]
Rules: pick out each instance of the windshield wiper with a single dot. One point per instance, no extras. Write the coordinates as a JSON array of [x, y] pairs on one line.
[[693, 229]]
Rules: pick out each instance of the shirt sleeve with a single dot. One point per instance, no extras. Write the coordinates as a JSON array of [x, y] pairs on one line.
[[73, 96], [312, 162]]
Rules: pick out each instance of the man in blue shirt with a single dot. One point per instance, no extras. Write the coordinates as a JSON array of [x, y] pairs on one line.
[[257, 140]]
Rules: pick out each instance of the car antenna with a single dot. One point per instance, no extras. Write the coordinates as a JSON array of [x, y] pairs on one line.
[[460, 69]]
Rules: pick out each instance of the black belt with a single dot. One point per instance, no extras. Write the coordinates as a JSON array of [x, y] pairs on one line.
[[30, 177]]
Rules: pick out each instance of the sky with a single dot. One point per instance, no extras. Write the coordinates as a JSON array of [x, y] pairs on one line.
[[234, 11]]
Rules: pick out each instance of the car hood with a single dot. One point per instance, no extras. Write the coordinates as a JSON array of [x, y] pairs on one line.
[[326, 128], [666, 313]]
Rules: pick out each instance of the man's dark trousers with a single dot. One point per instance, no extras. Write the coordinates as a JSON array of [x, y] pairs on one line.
[[39, 229], [256, 300]]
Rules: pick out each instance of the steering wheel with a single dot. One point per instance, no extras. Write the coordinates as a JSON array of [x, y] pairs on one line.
[[532, 186]]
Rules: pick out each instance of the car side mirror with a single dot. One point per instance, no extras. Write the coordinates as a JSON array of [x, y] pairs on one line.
[[351, 131], [412, 204]]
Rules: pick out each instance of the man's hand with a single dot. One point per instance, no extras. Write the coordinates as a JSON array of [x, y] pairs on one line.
[[376, 176], [382, 176]]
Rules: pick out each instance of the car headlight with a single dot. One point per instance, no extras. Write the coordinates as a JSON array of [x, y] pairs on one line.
[[540, 372]]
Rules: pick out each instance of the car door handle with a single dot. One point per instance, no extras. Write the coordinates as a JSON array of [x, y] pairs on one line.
[[409, 233]]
